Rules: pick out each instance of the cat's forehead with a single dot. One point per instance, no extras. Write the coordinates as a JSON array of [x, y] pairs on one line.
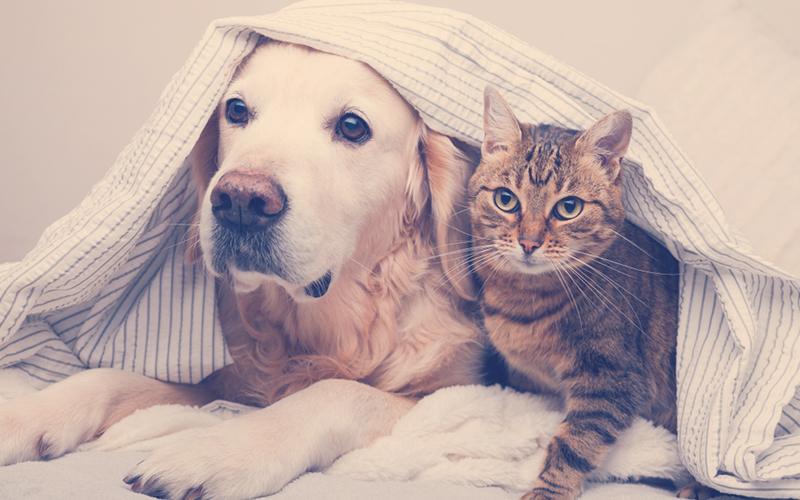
[[546, 150]]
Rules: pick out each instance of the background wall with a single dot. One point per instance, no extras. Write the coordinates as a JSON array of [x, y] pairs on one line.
[[79, 78]]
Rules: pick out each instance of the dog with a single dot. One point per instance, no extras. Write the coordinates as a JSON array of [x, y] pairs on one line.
[[328, 214]]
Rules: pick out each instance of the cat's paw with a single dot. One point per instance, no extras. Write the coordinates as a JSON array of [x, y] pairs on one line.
[[548, 494], [532, 495], [697, 491]]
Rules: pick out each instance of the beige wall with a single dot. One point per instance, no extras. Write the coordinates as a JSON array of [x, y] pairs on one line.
[[79, 78]]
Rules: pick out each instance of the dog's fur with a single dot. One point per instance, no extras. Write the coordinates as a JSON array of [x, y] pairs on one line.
[[335, 304]]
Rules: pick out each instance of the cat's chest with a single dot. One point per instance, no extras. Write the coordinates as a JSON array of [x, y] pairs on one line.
[[524, 329]]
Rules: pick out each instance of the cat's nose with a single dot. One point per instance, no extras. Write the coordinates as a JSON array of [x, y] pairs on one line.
[[529, 244]]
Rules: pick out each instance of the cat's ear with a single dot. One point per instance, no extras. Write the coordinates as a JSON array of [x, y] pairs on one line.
[[608, 140], [499, 123]]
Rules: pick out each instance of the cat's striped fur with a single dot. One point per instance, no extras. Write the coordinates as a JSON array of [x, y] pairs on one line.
[[578, 301]]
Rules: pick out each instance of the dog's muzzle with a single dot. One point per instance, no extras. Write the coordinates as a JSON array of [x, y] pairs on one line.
[[248, 205]]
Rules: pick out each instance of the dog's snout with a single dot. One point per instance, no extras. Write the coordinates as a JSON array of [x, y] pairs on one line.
[[247, 199]]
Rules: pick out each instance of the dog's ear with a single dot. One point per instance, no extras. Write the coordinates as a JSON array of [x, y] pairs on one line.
[[448, 171], [203, 162]]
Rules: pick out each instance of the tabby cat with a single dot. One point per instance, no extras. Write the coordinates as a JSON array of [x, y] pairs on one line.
[[579, 302]]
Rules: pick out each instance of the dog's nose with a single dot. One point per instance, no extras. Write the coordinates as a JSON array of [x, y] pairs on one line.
[[247, 199]]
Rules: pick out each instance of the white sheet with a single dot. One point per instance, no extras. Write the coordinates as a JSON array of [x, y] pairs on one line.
[[106, 285]]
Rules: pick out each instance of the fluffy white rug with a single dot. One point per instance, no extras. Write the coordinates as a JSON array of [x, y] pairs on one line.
[[471, 435]]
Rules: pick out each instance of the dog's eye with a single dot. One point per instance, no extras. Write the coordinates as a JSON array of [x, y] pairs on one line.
[[353, 128], [236, 111]]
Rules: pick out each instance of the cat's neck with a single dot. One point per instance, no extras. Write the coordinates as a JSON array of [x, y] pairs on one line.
[[540, 284]]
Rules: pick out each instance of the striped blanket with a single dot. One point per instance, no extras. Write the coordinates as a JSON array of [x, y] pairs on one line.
[[106, 285]]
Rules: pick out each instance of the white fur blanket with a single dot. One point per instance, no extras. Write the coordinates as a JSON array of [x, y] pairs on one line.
[[472, 435], [465, 435]]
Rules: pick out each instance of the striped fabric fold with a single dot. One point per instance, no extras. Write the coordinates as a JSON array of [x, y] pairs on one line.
[[107, 286]]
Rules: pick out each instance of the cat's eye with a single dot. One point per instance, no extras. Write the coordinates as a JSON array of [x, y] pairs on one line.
[[568, 208], [506, 200]]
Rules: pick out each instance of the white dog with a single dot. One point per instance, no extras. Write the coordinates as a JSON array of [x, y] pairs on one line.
[[327, 202]]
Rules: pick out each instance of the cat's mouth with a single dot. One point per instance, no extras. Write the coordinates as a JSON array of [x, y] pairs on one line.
[[534, 264], [540, 263]]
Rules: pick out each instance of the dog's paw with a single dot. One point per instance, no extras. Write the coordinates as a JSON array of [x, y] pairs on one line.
[[30, 432], [54, 421], [213, 463]]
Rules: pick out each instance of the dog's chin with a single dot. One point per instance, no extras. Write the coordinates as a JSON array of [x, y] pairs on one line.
[[249, 281]]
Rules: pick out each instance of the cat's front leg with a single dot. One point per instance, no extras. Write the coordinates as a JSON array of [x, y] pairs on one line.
[[599, 408], [697, 491]]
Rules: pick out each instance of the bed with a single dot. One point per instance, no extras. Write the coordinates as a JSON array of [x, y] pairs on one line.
[[87, 294]]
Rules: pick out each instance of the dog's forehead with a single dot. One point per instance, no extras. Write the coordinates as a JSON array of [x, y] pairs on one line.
[[282, 72]]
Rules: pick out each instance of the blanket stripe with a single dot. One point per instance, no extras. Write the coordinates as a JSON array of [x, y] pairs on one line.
[[106, 285]]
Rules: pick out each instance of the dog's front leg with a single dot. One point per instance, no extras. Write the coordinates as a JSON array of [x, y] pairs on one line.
[[54, 421], [258, 453]]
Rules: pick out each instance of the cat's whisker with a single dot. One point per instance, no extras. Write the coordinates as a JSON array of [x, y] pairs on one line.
[[451, 226], [457, 254], [484, 248], [620, 235], [455, 279], [484, 259], [607, 262], [495, 270], [460, 247], [585, 284], [464, 209], [613, 283], [464, 206], [597, 289], [370, 271], [557, 268], [595, 258], [464, 256], [446, 256], [598, 292], [461, 257]]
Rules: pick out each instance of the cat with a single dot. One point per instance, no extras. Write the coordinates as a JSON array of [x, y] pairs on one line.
[[579, 302]]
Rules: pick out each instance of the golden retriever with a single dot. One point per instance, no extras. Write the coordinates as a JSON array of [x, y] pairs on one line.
[[329, 211]]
